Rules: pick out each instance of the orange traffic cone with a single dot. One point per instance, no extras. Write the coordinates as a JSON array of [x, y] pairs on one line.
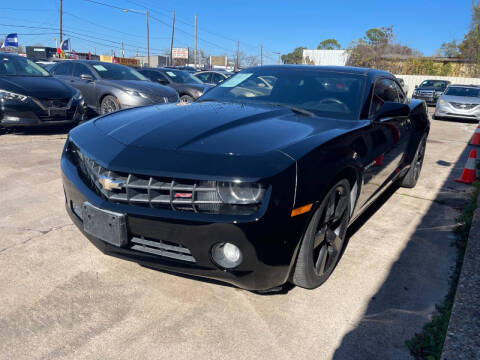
[[469, 174], [476, 136]]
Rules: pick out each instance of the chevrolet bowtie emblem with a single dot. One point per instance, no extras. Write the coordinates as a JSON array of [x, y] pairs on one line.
[[109, 183]]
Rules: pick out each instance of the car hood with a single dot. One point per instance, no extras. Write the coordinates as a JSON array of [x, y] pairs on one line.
[[37, 87], [215, 128], [146, 87], [461, 99]]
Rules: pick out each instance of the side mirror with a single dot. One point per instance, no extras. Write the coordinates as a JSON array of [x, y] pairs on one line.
[[392, 109], [163, 82], [86, 77], [416, 86]]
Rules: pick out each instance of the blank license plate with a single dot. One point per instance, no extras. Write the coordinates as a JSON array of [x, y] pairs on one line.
[[105, 225]]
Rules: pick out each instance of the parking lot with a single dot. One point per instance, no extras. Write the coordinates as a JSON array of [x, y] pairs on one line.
[[63, 298]]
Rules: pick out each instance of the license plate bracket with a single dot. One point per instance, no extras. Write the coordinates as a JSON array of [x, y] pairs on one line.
[[105, 225]]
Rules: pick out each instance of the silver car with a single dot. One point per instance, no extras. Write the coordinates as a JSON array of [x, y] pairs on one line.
[[110, 87], [459, 101]]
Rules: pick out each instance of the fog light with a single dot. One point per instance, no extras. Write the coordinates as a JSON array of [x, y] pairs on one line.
[[226, 255]]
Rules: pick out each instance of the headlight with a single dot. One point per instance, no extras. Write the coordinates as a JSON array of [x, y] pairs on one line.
[[8, 95], [198, 93], [240, 193], [136, 93], [442, 102], [415, 92]]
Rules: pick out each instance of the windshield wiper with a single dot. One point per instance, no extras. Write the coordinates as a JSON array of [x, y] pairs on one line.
[[206, 100], [294, 109]]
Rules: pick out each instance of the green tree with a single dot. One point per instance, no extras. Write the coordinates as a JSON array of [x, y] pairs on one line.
[[329, 44], [449, 49], [295, 57]]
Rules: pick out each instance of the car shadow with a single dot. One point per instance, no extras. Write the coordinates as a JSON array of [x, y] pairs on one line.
[[404, 302], [38, 130]]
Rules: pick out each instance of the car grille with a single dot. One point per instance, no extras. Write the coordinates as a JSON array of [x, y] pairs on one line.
[[463, 106], [156, 98], [55, 103], [155, 192], [425, 93], [162, 248]]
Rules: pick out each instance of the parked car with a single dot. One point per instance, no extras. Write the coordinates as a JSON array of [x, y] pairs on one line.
[[30, 96], [213, 77], [252, 190], [403, 85], [189, 88], [459, 101], [430, 90], [110, 87], [189, 69]]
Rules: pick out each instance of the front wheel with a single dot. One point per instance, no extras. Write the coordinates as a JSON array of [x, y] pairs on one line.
[[109, 104], [187, 99], [324, 239], [411, 177]]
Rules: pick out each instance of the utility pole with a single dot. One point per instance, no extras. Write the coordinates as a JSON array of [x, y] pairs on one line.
[[236, 56], [123, 50], [195, 51], [61, 16], [279, 57], [148, 41], [261, 55], [173, 34]]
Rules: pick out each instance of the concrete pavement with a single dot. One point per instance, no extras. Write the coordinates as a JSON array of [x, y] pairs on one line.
[[63, 299]]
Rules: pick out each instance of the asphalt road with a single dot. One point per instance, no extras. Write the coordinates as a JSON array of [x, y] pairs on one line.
[[62, 299]]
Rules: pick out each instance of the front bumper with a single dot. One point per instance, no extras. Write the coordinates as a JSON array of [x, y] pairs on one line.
[[268, 239], [449, 111], [430, 100], [30, 114]]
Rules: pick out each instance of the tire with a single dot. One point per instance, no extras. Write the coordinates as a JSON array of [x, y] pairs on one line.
[[323, 242], [109, 104], [187, 99], [411, 177]]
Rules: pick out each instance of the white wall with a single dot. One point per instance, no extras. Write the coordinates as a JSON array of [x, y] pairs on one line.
[[326, 57], [412, 80]]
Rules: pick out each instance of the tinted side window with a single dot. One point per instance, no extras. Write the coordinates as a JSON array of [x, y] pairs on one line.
[[63, 68], [216, 78], [205, 77], [80, 69], [384, 91]]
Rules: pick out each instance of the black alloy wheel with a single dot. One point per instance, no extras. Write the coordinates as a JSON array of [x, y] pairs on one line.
[[324, 239], [411, 177], [187, 99], [109, 104]]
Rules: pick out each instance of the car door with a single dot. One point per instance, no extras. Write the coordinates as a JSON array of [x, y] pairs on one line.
[[387, 140], [63, 71], [86, 86]]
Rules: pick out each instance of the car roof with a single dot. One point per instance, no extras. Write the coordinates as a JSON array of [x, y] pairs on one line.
[[342, 69], [465, 85]]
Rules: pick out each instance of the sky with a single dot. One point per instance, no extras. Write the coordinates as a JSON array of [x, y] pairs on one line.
[[279, 25]]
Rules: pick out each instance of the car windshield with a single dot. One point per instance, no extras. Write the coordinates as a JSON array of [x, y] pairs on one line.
[[20, 66], [463, 91], [323, 93], [182, 77], [437, 84], [117, 72]]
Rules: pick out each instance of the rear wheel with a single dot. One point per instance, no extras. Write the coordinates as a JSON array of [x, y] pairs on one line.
[[411, 177], [109, 104], [324, 239]]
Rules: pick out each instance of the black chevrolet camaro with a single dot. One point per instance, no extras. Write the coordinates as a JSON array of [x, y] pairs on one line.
[[255, 183], [30, 96]]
